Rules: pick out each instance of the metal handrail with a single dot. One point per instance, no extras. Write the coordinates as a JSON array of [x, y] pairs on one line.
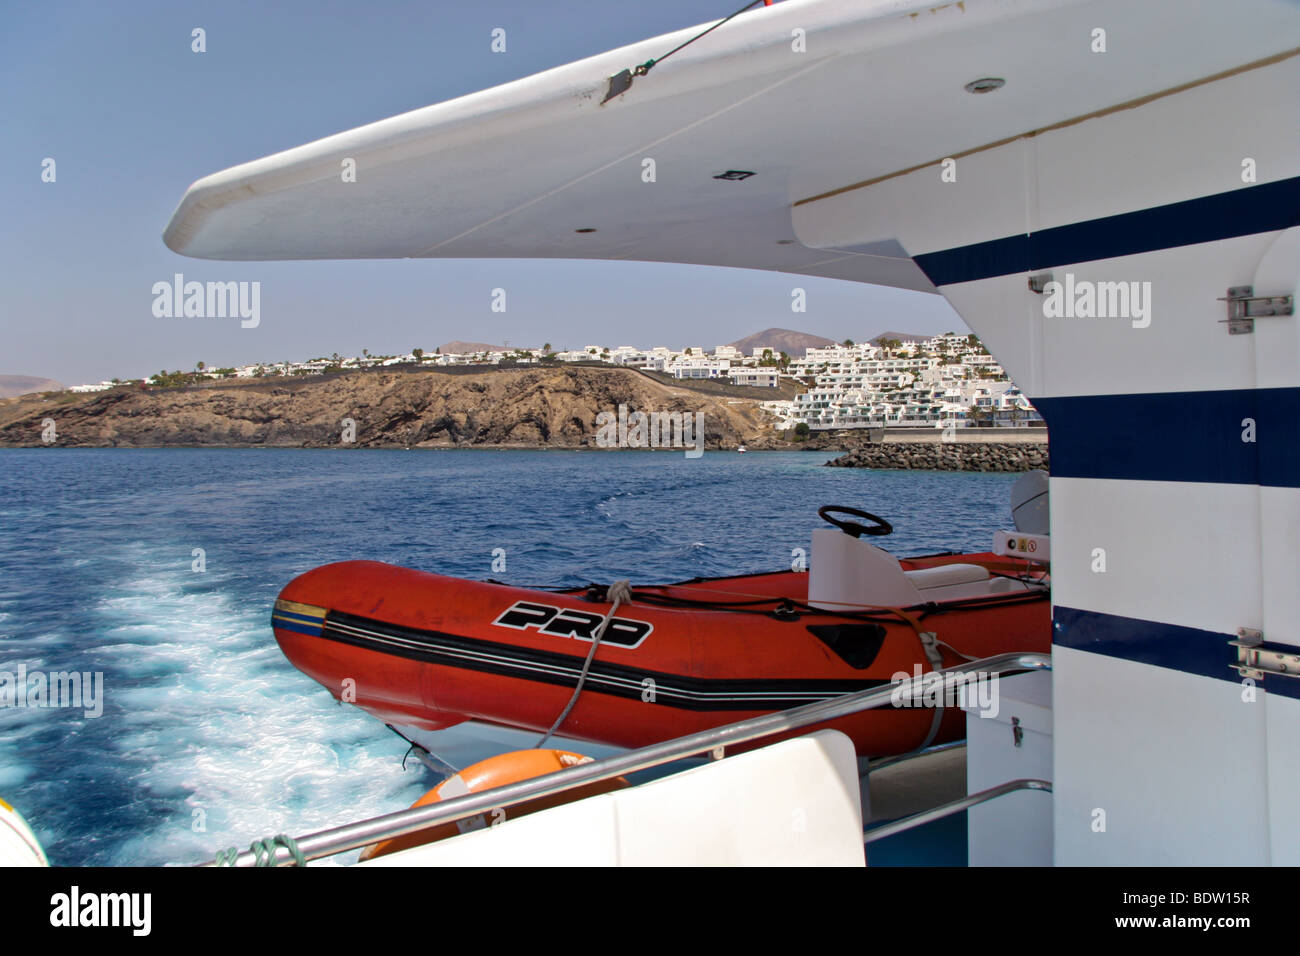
[[953, 806], [884, 762], [351, 836]]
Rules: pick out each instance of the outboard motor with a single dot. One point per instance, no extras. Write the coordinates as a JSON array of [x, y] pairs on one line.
[[1029, 510], [1029, 502]]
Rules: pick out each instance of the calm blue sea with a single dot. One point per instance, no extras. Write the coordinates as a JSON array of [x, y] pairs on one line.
[[208, 737]]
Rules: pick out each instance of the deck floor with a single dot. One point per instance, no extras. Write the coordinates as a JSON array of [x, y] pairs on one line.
[[910, 787]]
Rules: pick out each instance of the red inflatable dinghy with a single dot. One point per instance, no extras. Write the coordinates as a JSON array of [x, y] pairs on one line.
[[430, 651]]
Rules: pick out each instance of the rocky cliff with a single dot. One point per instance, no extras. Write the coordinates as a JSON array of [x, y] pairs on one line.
[[525, 407]]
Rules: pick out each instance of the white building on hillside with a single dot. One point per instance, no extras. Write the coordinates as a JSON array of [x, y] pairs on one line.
[[757, 377], [948, 379]]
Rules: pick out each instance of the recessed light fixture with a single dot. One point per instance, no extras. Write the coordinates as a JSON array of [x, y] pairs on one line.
[[985, 84], [585, 229], [735, 174]]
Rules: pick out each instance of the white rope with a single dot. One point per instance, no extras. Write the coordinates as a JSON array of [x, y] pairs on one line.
[[618, 592], [929, 644]]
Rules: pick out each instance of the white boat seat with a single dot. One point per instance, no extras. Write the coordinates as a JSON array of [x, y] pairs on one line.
[[946, 575], [850, 573]]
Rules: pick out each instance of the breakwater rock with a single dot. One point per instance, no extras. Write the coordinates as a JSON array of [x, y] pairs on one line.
[[947, 456]]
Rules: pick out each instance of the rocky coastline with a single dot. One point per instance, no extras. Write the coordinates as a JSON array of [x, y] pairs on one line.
[[548, 407]]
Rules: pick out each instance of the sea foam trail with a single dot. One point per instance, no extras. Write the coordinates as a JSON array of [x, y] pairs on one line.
[[209, 738], [238, 744]]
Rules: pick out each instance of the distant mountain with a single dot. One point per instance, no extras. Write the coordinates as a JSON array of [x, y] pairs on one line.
[[790, 342], [900, 336], [11, 386], [466, 347]]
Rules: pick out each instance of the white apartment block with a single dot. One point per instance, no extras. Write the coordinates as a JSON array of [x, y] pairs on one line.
[[756, 377], [945, 380], [690, 366]]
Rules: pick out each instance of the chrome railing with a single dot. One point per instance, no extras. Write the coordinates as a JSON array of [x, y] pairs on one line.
[[351, 836], [882, 762], [953, 806]]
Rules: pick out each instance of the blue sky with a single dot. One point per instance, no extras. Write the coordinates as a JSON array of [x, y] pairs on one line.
[[131, 116]]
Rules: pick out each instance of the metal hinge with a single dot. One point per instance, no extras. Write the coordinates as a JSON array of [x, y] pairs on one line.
[[1254, 660], [1244, 307]]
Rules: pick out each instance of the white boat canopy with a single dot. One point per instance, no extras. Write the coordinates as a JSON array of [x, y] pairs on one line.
[[810, 97]]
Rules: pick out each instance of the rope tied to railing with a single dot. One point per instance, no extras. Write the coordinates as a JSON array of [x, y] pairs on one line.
[[264, 852], [619, 592]]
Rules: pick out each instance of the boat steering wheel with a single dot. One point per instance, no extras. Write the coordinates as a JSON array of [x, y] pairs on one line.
[[852, 528]]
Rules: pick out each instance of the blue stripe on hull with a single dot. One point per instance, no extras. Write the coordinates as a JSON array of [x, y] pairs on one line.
[[1186, 649], [298, 627], [1177, 436], [317, 619], [1240, 212]]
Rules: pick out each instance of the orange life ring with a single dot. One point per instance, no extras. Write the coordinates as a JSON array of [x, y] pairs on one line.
[[496, 771]]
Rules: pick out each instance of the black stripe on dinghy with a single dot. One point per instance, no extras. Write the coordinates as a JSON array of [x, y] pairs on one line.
[[490, 657]]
